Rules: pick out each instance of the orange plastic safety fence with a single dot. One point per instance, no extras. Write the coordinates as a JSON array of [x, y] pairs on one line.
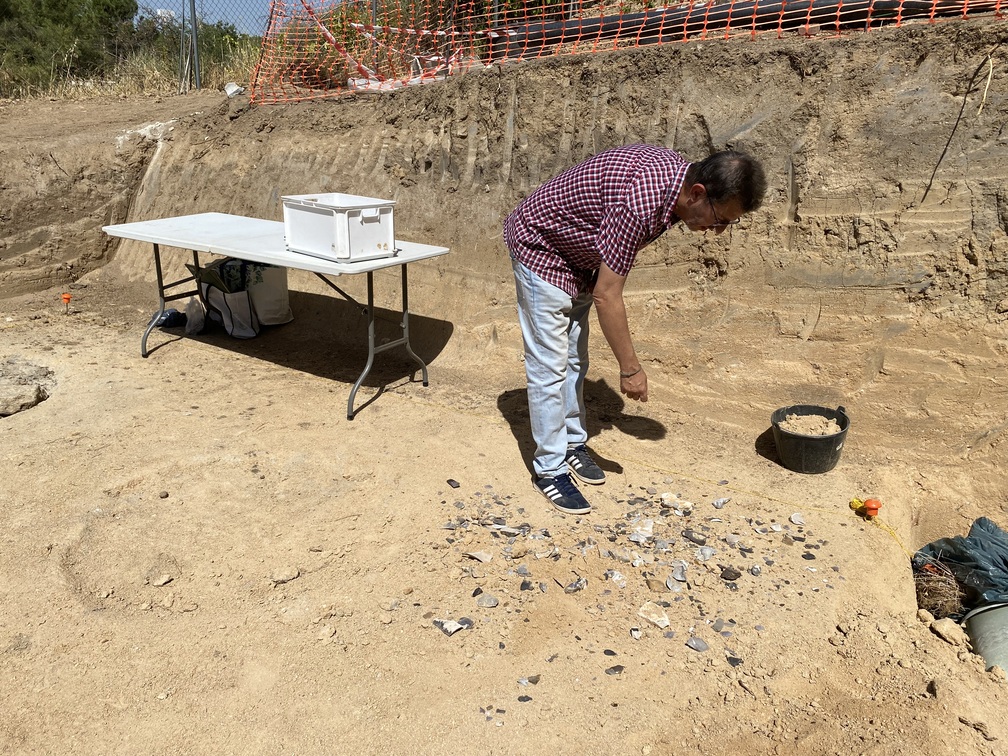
[[316, 49]]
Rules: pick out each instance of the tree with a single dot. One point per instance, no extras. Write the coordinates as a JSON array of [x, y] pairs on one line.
[[76, 37]]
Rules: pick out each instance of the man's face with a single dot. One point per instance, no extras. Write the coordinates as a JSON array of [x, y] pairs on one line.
[[701, 214]]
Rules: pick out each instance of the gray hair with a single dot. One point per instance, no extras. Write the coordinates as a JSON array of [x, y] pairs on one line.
[[730, 174]]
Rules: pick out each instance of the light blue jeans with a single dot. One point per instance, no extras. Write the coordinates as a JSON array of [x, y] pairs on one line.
[[555, 331]]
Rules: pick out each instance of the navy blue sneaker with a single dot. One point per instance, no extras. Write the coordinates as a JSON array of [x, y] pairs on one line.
[[563, 494], [583, 467]]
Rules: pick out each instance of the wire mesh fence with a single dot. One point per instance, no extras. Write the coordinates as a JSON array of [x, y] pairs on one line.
[[316, 49], [291, 50], [245, 17], [85, 47], [212, 34]]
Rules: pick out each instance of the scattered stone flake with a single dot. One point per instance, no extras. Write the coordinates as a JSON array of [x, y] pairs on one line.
[[616, 669], [576, 586], [644, 528], [729, 573], [697, 538], [797, 518], [622, 554], [697, 644], [486, 601], [617, 577], [479, 556], [161, 580], [448, 627], [654, 614]]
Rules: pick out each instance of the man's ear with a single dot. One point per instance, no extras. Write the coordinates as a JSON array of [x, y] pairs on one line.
[[697, 192]]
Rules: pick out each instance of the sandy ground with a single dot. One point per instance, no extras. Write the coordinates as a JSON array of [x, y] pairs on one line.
[[201, 554]]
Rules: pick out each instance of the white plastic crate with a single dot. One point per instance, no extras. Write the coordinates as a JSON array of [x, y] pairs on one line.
[[340, 227]]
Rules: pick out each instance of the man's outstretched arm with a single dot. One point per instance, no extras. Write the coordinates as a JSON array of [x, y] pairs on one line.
[[608, 299]]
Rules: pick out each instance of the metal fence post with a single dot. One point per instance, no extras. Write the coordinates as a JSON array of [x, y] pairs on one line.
[[194, 41], [183, 58], [374, 23]]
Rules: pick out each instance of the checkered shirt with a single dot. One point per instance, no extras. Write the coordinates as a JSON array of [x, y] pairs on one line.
[[605, 209]]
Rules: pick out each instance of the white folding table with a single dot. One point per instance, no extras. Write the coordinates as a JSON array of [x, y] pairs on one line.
[[262, 241]]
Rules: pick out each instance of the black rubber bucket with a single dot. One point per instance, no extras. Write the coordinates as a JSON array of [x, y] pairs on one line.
[[809, 454]]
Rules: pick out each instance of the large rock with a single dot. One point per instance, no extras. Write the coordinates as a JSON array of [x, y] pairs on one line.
[[22, 385], [16, 397], [950, 631]]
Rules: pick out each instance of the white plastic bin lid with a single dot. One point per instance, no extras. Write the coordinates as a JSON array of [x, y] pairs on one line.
[[337, 201]]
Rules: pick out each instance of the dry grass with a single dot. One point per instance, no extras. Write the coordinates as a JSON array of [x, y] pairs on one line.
[[937, 590], [147, 73]]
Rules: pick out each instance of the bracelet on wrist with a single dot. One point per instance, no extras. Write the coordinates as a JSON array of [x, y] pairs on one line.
[[630, 375]]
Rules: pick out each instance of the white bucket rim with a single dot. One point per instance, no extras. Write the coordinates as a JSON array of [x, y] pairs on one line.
[[981, 609]]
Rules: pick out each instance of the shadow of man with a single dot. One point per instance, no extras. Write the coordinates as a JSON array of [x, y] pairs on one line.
[[604, 407]]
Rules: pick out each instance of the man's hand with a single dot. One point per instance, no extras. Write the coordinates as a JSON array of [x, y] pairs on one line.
[[635, 386], [608, 296]]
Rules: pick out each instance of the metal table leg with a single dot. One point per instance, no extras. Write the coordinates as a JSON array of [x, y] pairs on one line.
[[373, 349], [161, 301], [405, 326], [371, 346], [162, 298]]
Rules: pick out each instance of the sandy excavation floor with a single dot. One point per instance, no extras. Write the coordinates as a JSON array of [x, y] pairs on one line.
[[193, 566], [199, 554]]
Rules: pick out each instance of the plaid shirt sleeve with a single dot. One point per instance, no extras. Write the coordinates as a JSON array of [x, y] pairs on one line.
[[620, 237]]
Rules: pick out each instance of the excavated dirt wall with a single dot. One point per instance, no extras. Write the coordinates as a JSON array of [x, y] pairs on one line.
[[885, 152]]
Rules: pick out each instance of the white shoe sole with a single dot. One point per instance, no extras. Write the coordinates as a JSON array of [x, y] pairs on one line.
[[559, 508], [584, 480]]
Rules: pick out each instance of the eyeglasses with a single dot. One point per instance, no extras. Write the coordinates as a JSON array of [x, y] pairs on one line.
[[718, 223]]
